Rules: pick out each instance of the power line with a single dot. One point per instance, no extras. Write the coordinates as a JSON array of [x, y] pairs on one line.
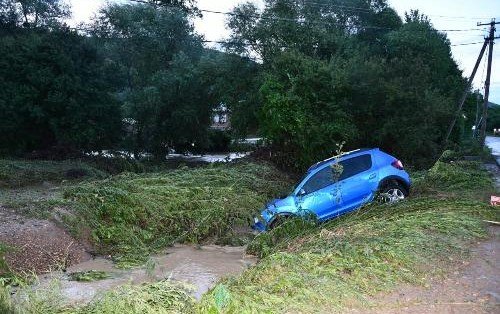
[[259, 16], [462, 30], [467, 44]]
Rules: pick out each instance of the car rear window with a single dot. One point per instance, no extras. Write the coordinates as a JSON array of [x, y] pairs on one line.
[[355, 165]]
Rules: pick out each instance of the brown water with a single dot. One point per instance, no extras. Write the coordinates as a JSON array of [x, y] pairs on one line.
[[199, 268]]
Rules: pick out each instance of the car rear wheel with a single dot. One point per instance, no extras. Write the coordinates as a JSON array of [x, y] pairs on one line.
[[391, 193]]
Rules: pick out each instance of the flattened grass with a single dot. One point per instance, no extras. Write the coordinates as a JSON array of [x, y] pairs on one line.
[[342, 263], [19, 173], [155, 298], [131, 215]]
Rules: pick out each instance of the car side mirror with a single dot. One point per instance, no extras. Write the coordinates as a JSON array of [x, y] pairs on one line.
[[301, 192]]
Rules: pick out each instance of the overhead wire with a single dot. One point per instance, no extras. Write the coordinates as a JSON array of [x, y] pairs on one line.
[[259, 16], [467, 44]]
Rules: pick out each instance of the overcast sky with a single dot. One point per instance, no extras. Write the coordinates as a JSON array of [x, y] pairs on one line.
[[444, 14]]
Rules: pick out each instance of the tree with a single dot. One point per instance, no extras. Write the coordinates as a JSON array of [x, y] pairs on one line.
[[162, 60], [337, 74], [301, 113], [52, 94], [32, 13], [315, 28]]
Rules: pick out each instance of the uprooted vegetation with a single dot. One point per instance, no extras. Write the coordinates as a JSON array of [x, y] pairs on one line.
[[130, 215], [304, 267]]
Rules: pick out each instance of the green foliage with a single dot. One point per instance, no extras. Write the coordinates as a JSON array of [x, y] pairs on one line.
[[133, 215], [160, 297], [32, 13], [334, 75], [219, 141], [52, 93], [162, 77], [293, 228], [301, 114], [5, 301], [328, 268], [118, 164], [87, 276], [460, 179], [18, 173], [493, 118], [236, 82]]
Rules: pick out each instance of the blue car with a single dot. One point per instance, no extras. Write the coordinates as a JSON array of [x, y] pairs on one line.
[[339, 185]]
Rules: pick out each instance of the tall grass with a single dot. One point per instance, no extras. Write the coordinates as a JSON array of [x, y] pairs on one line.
[[305, 268]]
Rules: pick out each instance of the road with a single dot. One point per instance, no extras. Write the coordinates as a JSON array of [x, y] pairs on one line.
[[493, 143]]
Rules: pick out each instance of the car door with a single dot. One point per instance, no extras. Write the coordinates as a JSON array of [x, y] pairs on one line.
[[321, 194], [358, 182]]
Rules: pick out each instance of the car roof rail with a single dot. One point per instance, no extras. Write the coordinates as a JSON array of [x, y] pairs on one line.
[[321, 163]]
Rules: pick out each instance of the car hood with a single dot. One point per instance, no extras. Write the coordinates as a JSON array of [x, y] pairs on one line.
[[278, 203]]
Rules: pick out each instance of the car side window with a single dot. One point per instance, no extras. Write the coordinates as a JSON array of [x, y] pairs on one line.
[[319, 180], [353, 166]]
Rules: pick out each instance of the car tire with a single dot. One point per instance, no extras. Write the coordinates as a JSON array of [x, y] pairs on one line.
[[278, 221], [391, 192]]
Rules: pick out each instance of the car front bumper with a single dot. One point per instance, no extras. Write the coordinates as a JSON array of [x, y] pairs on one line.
[[258, 225]]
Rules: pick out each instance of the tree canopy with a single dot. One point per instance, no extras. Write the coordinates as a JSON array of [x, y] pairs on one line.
[[304, 74], [363, 76]]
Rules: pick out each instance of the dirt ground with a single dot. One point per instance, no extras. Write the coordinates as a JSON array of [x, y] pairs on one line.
[[37, 245], [472, 286]]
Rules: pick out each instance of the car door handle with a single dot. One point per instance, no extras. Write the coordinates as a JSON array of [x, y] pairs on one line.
[[372, 176]]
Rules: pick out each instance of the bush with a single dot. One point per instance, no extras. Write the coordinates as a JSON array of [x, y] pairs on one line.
[[455, 179], [218, 141]]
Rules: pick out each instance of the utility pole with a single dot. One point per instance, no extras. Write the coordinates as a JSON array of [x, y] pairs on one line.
[[490, 39], [466, 92]]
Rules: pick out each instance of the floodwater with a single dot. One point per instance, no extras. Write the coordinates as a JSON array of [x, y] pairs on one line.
[[493, 143], [210, 158], [198, 267], [206, 158]]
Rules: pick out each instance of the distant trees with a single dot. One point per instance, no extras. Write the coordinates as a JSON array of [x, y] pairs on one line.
[[164, 68], [52, 90], [32, 13], [304, 74]]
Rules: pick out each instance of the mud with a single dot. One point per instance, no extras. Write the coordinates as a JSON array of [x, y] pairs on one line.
[[199, 268], [37, 245], [471, 287]]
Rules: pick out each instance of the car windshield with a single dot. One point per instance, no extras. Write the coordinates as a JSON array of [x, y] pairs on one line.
[[299, 182]]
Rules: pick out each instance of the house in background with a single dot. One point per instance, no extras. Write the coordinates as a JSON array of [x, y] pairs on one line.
[[221, 118]]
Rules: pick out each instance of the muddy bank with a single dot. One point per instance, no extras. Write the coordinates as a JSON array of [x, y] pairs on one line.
[[37, 245], [473, 286], [197, 267]]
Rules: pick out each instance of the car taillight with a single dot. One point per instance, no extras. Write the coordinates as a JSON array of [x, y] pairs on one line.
[[397, 164]]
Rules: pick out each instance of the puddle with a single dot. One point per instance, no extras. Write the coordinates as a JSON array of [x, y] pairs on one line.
[[199, 268]]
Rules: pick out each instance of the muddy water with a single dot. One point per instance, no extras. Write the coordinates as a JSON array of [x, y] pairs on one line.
[[200, 268]]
